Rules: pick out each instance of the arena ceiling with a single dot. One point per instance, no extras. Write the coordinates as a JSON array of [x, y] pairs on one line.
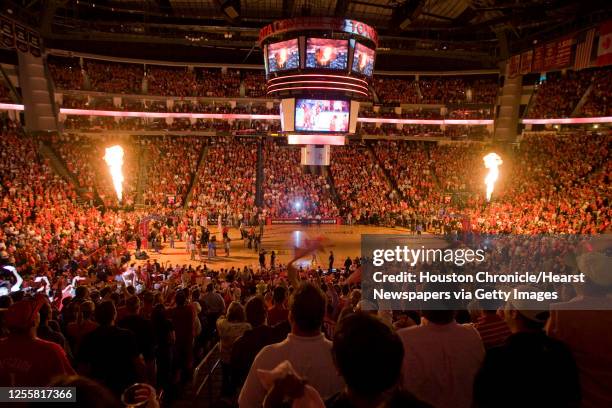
[[455, 33]]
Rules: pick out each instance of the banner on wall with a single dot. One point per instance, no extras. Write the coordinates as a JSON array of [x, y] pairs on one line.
[[604, 47], [526, 59], [20, 37], [552, 55]]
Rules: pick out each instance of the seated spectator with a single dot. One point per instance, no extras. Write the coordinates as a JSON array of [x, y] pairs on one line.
[[306, 348], [25, 360], [544, 367]]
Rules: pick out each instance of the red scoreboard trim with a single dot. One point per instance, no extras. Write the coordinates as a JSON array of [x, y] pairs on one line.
[[319, 23]]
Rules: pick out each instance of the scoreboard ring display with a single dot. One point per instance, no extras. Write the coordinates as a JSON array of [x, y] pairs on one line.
[[318, 58]]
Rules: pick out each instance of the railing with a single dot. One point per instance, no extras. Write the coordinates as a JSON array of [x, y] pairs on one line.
[[208, 368]]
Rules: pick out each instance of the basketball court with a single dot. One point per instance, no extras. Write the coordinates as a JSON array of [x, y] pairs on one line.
[[343, 240]]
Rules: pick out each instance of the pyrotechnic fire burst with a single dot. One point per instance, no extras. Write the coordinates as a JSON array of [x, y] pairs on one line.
[[114, 160], [492, 161]]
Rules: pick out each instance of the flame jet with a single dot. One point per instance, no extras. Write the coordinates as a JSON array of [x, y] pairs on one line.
[[114, 160], [492, 161]]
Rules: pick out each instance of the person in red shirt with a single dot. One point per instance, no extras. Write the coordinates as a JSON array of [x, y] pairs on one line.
[[26, 360], [278, 313], [183, 317]]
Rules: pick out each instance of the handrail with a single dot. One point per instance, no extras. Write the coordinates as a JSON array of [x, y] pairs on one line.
[[201, 366]]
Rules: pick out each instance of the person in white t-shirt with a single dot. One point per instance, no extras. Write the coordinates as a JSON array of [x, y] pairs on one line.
[[441, 360], [306, 348]]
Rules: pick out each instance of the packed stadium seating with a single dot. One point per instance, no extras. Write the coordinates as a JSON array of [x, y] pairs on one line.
[[101, 315]]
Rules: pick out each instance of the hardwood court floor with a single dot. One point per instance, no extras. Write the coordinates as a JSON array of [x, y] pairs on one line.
[[343, 240]]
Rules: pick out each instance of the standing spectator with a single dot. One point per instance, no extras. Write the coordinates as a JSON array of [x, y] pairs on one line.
[[26, 360], [441, 359], [230, 328], [164, 340], [370, 364], [84, 324], [583, 324], [492, 329], [183, 318], [143, 332], [545, 367], [252, 341], [306, 348], [331, 261], [110, 354], [278, 313]]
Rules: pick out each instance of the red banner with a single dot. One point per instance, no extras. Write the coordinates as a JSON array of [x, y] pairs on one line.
[[550, 56], [526, 59], [564, 52], [537, 64], [604, 48], [319, 23]]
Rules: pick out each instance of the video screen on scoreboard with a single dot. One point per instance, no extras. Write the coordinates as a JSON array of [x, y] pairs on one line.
[[363, 60], [283, 55], [322, 115], [326, 53]]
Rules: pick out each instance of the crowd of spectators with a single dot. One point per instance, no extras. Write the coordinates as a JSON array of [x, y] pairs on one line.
[[114, 77], [436, 90], [290, 191], [558, 185], [392, 90], [365, 193], [65, 72], [557, 96], [97, 314], [171, 164], [84, 158], [598, 101], [130, 78], [225, 183], [255, 84], [468, 176]]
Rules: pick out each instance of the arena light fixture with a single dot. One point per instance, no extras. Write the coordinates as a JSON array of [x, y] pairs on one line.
[[567, 121], [314, 139], [11, 106], [177, 115]]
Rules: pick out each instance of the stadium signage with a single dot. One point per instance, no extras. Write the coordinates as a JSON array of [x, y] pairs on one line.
[[320, 23]]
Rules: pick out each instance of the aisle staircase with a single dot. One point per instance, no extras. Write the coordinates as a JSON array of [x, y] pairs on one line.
[[142, 177], [390, 179], [332, 188], [203, 155], [507, 121], [58, 165], [205, 389], [582, 101], [432, 171]]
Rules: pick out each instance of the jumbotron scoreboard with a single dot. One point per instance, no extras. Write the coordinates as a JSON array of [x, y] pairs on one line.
[[320, 68]]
